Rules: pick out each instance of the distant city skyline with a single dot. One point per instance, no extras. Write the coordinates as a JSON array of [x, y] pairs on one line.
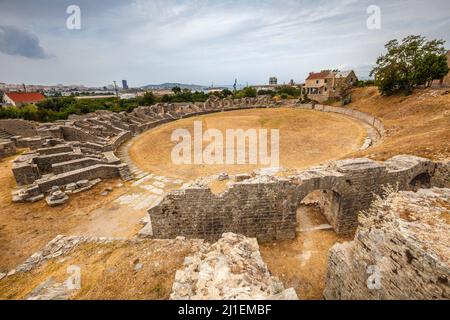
[[202, 41]]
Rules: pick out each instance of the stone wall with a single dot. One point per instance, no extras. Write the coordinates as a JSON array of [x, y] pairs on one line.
[[367, 118], [400, 251], [230, 269], [102, 171], [19, 127], [265, 207]]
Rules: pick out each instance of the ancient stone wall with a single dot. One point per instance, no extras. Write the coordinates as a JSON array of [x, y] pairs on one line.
[[265, 207], [230, 269], [367, 118], [19, 127], [400, 251]]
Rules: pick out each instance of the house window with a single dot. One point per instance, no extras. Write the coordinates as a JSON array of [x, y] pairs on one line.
[[326, 80], [317, 81], [326, 89]]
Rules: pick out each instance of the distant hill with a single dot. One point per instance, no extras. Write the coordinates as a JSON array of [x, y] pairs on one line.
[[169, 86]]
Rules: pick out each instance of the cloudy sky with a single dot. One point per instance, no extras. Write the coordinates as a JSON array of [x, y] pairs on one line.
[[201, 41]]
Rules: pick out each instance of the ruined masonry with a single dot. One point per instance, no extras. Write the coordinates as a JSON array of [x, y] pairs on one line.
[[400, 251], [80, 149], [265, 207], [230, 269]]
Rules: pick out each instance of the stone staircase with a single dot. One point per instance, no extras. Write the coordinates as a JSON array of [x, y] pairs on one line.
[[5, 135], [134, 171]]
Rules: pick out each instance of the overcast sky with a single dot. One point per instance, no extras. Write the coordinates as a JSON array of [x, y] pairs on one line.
[[200, 41]]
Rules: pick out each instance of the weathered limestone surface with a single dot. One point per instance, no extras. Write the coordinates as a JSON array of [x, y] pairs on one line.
[[400, 251], [230, 269], [367, 118], [265, 207]]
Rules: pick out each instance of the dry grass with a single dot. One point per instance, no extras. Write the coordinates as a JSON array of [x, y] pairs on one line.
[[306, 138], [418, 124]]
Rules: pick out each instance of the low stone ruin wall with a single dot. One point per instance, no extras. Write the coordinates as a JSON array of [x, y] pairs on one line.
[[265, 207], [102, 171], [400, 251], [230, 269]]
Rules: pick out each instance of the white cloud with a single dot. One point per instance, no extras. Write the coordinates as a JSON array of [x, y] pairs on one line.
[[150, 41]]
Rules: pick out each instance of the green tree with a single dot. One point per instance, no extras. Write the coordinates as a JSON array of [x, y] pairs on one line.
[[226, 92], [176, 90], [247, 92], [415, 61], [147, 99]]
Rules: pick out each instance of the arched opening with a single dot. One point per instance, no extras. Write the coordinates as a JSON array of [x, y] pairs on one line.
[[421, 181], [319, 210]]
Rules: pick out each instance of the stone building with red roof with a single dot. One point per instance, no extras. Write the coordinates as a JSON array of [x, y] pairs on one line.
[[323, 85]]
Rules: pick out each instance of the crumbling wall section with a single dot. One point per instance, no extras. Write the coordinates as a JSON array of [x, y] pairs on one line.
[[400, 251]]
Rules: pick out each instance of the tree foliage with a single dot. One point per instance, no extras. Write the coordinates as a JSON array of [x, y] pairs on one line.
[[411, 63]]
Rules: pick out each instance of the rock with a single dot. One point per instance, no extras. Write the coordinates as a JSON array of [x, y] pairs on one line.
[[56, 198], [2, 275], [71, 186], [109, 189], [242, 177], [104, 193], [138, 266], [223, 176], [231, 268]]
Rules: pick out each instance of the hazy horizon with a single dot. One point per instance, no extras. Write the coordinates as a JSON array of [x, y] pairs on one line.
[[201, 41]]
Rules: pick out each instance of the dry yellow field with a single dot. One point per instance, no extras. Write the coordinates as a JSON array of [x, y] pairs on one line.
[[307, 138]]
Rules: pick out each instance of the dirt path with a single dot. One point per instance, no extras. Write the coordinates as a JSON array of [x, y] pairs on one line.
[[301, 263], [25, 228]]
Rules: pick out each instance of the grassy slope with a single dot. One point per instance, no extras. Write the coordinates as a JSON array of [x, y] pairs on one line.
[[418, 124]]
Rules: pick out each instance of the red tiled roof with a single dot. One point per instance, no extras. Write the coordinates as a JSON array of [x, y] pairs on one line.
[[318, 75], [28, 97]]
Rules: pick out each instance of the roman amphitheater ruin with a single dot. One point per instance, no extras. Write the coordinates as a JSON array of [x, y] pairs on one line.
[[71, 156]]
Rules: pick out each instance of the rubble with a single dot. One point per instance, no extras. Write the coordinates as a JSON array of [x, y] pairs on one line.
[[56, 197], [400, 251], [230, 269]]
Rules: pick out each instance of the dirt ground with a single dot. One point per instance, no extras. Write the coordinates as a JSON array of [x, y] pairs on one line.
[[26, 227], [108, 271], [307, 138]]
